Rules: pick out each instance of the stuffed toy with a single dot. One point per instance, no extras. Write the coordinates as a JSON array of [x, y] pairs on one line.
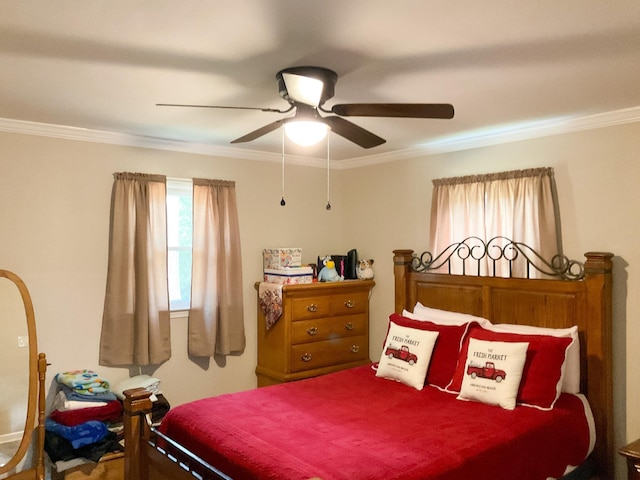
[[328, 273], [364, 270]]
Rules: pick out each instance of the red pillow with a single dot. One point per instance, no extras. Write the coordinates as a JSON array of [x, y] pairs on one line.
[[542, 375], [446, 351]]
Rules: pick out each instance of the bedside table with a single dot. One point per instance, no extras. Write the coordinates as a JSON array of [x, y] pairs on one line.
[[632, 453]]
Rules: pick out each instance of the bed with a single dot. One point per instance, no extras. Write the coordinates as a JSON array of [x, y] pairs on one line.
[[355, 424]]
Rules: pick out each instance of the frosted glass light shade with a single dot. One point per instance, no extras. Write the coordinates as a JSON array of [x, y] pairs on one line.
[[305, 132], [307, 90]]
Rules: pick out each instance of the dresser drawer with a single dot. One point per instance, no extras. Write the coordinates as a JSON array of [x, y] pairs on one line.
[[350, 303], [329, 352], [327, 328], [310, 307]]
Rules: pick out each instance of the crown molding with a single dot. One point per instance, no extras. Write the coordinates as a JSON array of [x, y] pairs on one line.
[[500, 135], [465, 141], [114, 138]]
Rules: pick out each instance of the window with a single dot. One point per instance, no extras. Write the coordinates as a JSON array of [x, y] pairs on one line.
[[518, 205], [149, 265], [179, 241]]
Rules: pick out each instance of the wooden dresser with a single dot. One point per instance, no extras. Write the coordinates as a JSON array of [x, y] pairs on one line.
[[324, 327]]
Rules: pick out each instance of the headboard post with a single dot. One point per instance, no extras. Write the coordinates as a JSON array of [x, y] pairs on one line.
[[401, 264], [599, 284]]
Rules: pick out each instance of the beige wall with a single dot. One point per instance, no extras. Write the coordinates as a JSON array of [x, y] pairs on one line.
[[54, 208]]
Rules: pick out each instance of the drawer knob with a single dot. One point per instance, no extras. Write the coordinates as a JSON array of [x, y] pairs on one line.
[[355, 348], [349, 304], [312, 331], [348, 326], [306, 357], [312, 308]]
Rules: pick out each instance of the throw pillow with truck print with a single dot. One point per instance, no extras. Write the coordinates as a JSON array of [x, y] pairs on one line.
[[492, 372], [406, 355]]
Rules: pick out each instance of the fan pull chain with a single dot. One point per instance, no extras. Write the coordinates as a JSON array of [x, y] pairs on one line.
[[282, 202], [328, 184]]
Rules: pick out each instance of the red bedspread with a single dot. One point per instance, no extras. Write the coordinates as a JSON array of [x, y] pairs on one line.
[[354, 425]]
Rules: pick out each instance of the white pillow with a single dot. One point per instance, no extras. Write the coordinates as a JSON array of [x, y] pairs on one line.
[[571, 366], [406, 355], [443, 317], [493, 371]]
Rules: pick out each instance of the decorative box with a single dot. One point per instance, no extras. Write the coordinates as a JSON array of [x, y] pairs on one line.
[[274, 258], [288, 275]]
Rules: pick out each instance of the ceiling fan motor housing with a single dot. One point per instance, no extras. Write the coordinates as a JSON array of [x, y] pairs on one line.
[[326, 76]]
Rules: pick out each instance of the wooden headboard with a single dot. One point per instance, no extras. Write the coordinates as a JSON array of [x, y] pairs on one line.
[[552, 303]]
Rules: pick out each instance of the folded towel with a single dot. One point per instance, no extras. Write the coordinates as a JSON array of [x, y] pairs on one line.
[[270, 299], [84, 382], [109, 412], [61, 402], [150, 384], [72, 394]]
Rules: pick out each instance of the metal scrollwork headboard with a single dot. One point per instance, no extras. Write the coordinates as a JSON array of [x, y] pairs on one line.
[[496, 257]]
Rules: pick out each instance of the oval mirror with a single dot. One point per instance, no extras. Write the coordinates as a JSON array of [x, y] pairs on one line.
[[18, 370]]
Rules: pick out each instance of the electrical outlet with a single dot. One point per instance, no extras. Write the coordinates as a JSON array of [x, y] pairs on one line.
[[23, 342]]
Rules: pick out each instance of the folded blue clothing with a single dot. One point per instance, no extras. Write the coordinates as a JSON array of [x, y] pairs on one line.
[[98, 397], [80, 435]]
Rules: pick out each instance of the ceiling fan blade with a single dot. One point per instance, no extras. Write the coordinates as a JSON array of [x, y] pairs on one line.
[[259, 132], [403, 110], [275, 110], [353, 132]]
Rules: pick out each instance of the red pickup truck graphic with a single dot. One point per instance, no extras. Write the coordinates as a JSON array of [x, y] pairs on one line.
[[489, 370], [401, 353]]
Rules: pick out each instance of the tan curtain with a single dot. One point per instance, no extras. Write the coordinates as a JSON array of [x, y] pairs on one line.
[[457, 212], [135, 322], [216, 318], [520, 205]]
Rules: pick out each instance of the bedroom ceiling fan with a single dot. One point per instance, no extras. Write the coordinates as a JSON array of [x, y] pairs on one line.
[[308, 88]]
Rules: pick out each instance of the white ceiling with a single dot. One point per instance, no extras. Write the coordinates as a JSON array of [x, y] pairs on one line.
[[505, 65]]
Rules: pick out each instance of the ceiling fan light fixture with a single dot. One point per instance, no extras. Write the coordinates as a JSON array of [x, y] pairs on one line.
[[302, 89], [305, 132]]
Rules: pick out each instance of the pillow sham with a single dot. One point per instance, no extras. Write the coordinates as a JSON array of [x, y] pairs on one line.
[[446, 351], [420, 312], [571, 378], [493, 372], [542, 375], [406, 355]]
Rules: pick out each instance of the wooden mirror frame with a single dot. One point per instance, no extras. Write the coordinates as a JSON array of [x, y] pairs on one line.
[[36, 397]]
